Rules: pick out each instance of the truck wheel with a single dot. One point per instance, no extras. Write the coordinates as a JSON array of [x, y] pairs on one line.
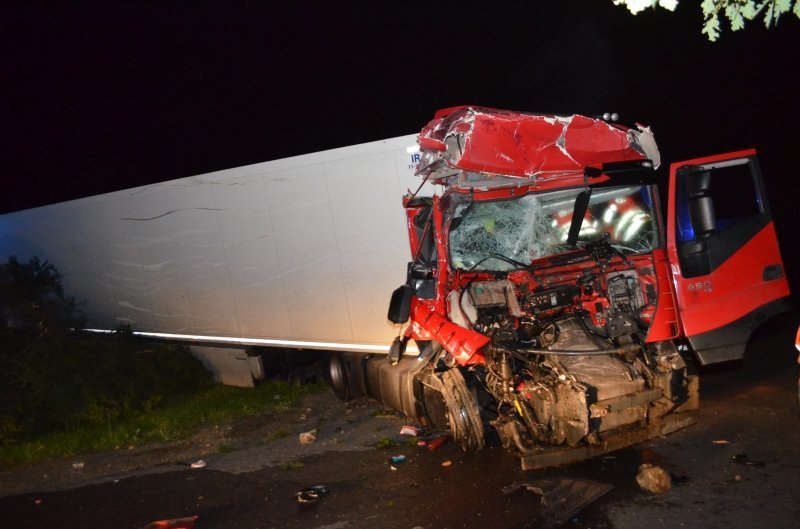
[[462, 412], [337, 373]]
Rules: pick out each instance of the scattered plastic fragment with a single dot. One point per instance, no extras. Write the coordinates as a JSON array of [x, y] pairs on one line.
[[561, 499], [78, 466], [175, 523], [198, 464], [412, 431], [38, 501], [721, 442], [743, 460], [435, 444], [398, 459], [653, 478], [311, 494], [447, 463], [307, 438]]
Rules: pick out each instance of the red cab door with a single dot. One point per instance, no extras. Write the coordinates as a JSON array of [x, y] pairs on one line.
[[723, 252]]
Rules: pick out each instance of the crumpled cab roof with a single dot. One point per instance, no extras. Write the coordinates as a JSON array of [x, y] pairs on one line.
[[523, 145]]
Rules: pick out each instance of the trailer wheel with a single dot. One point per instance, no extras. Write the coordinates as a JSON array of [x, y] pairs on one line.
[[462, 412], [337, 372]]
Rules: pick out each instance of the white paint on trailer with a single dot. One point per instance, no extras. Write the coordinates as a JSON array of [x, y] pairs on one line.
[[302, 249]]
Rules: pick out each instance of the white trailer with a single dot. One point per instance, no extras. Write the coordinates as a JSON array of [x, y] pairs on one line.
[[302, 252]]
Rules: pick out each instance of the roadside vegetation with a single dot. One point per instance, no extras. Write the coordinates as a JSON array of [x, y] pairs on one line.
[[63, 392]]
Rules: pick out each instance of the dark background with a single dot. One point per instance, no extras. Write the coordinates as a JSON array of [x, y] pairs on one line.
[[106, 96]]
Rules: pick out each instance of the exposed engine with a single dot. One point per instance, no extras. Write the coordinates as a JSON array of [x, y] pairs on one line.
[[566, 373], [567, 362]]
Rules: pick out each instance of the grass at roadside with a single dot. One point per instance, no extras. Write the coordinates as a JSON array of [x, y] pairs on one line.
[[174, 419]]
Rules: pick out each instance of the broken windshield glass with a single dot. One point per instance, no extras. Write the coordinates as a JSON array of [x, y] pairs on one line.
[[500, 235]]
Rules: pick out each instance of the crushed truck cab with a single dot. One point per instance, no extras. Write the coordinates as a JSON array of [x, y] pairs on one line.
[[549, 297]]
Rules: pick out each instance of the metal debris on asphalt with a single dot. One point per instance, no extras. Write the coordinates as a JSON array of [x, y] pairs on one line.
[[561, 499], [311, 494]]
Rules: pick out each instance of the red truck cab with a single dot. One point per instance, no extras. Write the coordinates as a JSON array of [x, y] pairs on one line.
[[549, 296]]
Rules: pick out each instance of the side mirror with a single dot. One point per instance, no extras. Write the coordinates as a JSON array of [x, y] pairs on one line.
[[701, 211], [400, 305], [701, 206]]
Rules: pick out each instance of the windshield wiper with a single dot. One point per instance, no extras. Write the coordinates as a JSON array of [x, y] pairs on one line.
[[456, 222], [501, 257], [578, 211]]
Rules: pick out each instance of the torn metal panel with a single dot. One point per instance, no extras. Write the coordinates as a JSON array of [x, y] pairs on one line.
[[553, 457], [561, 499], [521, 145]]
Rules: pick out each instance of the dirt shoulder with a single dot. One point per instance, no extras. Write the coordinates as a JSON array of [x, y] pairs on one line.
[[236, 447]]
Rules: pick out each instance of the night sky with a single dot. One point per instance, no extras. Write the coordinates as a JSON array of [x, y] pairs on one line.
[[113, 95]]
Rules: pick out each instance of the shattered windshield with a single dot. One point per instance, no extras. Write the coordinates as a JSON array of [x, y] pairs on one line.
[[501, 235]]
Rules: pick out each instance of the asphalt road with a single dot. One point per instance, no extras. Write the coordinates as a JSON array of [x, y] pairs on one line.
[[738, 467]]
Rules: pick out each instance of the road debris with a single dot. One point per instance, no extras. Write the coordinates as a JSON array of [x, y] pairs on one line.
[[437, 442], [561, 499], [398, 459], [198, 464], [653, 478], [411, 431], [306, 438], [721, 442], [447, 463], [175, 523], [78, 466], [311, 494], [743, 460]]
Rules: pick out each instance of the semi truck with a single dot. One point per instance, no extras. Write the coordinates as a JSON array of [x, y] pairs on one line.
[[554, 305], [540, 294]]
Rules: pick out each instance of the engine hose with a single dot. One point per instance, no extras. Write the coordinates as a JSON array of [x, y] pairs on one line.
[[516, 353], [560, 352]]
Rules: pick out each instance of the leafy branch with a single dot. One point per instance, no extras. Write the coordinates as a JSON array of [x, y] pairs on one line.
[[736, 11]]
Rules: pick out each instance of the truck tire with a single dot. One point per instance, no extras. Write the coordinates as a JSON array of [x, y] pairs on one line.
[[464, 417], [337, 372]]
